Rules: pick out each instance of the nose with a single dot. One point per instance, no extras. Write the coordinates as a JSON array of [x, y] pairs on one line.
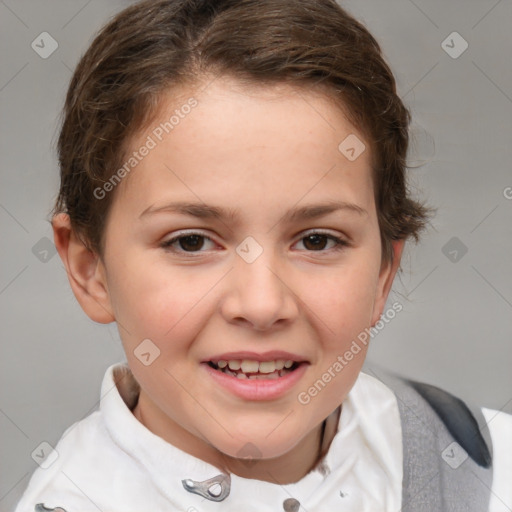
[[260, 294]]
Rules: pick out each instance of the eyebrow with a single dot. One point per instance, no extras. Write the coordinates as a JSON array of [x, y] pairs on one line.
[[204, 211]]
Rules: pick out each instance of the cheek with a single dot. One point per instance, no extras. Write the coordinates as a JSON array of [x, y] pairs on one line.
[[147, 302], [342, 299]]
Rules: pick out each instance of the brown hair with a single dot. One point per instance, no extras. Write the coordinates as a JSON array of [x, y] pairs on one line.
[[155, 45]]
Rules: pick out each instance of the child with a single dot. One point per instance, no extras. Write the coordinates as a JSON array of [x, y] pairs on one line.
[[233, 196]]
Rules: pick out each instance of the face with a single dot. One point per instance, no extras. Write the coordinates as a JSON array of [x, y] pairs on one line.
[[246, 237]]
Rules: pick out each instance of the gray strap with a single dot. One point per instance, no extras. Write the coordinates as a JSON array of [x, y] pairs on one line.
[[460, 421], [438, 474]]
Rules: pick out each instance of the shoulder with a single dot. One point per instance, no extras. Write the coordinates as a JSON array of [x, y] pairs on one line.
[[90, 452], [422, 405], [52, 483], [484, 434]]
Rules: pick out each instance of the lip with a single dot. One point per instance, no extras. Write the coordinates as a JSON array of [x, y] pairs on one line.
[[256, 389], [272, 355]]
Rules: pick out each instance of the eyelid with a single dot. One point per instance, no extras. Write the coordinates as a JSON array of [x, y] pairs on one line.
[[166, 244], [320, 231]]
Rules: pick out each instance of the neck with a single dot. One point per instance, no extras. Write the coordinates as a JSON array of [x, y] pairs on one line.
[[285, 469]]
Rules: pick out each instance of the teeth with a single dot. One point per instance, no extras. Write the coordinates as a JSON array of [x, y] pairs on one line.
[[267, 367], [251, 369], [249, 366], [234, 365]]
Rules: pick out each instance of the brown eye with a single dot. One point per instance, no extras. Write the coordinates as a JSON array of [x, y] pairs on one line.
[[191, 242], [315, 242], [318, 242], [186, 243]]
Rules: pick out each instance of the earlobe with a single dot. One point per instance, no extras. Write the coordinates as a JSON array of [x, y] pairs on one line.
[[85, 270], [386, 277]]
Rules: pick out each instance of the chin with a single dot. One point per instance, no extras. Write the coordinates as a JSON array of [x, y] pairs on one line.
[[256, 446]]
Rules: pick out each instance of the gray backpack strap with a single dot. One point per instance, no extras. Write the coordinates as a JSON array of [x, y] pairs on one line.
[[468, 427], [447, 462]]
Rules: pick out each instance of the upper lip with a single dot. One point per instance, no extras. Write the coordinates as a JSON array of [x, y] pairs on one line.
[[272, 355]]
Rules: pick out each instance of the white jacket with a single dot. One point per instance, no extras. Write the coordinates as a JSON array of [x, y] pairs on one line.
[[110, 462]]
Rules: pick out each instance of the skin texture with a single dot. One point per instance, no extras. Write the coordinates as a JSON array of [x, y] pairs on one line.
[[260, 151]]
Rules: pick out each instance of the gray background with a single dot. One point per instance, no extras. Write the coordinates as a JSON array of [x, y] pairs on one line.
[[455, 329]]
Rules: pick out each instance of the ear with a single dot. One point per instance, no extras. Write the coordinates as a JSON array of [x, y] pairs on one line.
[[86, 272], [386, 277]]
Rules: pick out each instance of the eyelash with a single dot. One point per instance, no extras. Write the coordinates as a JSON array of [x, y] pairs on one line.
[[340, 244]]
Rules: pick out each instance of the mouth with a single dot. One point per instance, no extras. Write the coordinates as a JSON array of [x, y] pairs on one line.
[[251, 376], [255, 370]]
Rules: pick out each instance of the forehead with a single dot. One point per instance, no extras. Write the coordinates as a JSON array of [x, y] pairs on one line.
[[224, 141]]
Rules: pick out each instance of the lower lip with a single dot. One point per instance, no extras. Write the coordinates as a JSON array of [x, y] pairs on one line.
[[257, 389]]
